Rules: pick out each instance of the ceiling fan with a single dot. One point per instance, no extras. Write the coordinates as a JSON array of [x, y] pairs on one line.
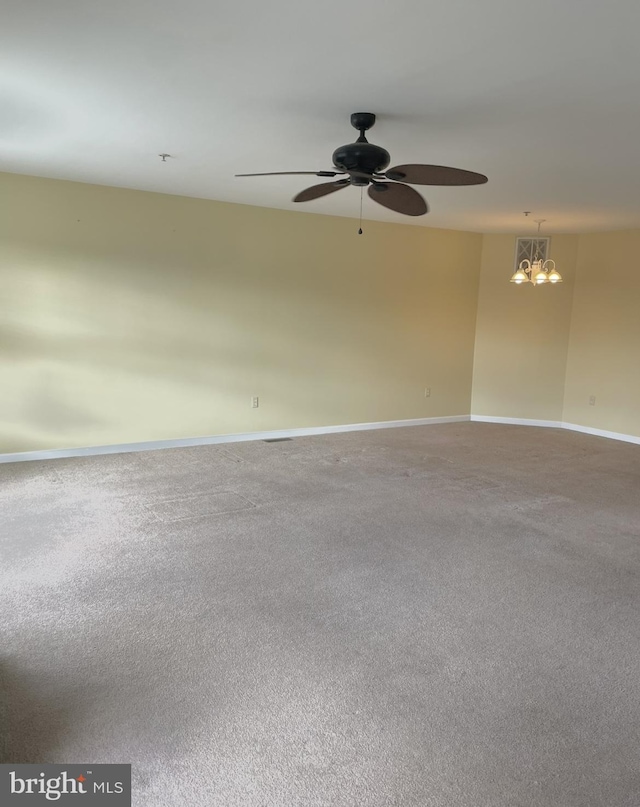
[[365, 164]]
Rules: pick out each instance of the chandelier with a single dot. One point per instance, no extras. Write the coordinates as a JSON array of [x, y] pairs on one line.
[[534, 269]]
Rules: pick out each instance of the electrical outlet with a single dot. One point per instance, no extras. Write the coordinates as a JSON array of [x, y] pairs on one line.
[[427, 392], [255, 402], [592, 400]]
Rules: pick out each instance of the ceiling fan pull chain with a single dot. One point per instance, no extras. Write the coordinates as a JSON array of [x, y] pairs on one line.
[[360, 227]]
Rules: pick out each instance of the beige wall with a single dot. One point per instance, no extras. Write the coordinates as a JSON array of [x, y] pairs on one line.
[[130, 316], [522, 334], [541, 353], [604, 346]]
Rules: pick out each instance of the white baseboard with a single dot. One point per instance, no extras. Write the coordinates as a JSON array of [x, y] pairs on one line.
[[558, 424], [626, 438], [185, 442], [550, 424]]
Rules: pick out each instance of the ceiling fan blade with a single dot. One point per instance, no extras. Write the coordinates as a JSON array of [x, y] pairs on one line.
[[398, 197], [434, 175], [316, 191], [294, 173]]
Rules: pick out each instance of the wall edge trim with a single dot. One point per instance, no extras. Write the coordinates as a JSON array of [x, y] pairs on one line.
[[559, 424], [311, 431], [186, 442], [626, 438], [550, 424]]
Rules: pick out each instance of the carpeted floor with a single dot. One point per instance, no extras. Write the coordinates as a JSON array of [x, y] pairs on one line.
[[420, 617]]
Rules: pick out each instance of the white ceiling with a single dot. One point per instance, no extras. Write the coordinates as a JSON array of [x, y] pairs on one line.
[[543, 97]]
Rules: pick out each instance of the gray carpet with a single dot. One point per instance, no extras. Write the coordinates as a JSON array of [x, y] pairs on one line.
[[429, 616]]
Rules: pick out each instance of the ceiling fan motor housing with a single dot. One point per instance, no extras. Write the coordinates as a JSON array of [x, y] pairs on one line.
[[361, 156]]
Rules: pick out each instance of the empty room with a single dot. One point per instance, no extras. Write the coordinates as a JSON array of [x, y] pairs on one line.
[[319, 403]]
